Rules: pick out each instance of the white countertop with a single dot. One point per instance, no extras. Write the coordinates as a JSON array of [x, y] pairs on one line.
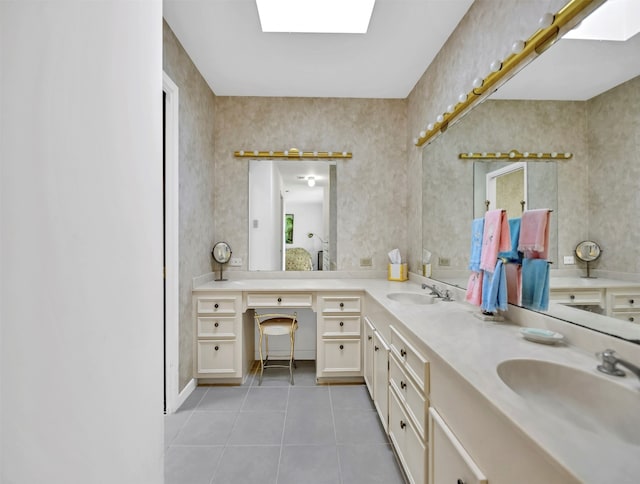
[[474, 348]]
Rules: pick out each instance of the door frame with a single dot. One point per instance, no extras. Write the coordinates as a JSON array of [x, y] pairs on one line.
[[171, 231]]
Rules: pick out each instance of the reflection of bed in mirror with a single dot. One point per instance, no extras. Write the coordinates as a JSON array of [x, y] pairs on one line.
[[298, 259]]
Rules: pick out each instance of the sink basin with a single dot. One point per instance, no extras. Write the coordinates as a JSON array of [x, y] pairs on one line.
[[587, 400], [411, 298]]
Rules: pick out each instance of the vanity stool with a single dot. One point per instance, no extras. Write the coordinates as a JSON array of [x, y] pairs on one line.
[[277, 325]]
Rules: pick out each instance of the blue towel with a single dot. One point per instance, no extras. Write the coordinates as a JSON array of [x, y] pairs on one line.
[[477, 229], [494, 289], [535, 284], [513, 255]]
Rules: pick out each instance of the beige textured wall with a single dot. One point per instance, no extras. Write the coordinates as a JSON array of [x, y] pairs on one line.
[[614, 174], [372, 211], [484, 34], [196, 183]]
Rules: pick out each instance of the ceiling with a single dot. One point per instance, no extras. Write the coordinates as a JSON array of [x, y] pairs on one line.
[[225, 41]]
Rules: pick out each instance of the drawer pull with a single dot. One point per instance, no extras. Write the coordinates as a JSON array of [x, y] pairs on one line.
[[632, 319], [216, 347], [403, 353], [216, 305], [572, 297], [376, 348], [341, 347], [460, 481], [279, 299], [402, 424], [341, 323], [370, 338], [341, 305], [403, 385], [631, 301], [216, 324]]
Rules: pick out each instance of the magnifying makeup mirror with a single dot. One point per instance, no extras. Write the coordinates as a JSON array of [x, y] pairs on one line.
[[588, 251], [221, 253]]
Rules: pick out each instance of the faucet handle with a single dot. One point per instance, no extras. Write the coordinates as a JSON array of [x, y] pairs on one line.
[[609, 362]]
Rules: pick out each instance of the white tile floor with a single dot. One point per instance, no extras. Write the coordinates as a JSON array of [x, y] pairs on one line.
[[279, 434]]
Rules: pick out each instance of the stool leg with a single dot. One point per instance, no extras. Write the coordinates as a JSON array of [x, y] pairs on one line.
[[261, 361]]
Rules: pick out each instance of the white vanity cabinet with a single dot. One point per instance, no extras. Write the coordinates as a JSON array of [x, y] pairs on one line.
[[221, 352], [339, 352], [376, 369], [408, 404], [624, 304]]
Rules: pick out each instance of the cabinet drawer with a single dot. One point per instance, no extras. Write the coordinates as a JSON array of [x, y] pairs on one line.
[[216, 356], [625, 301], [216, 327], [630, 316], [448, 460], [410, 448], [413, 362], [577, 296], [410, 395], [216, 305], [340, 326], [340, 304], [277, 300], [341, 355]]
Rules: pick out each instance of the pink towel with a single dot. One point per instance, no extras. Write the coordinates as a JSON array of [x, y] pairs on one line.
[[514, 284], [495, 238], [534, 233], [474, 289]]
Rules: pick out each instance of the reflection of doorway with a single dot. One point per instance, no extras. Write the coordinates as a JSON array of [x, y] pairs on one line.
[[170, 243], [507, 189]]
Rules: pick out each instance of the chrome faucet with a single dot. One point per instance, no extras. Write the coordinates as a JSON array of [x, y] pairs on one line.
[[610, 362], [444, 294]]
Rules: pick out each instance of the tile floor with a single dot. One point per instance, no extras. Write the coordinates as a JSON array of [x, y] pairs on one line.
[[279, 434]]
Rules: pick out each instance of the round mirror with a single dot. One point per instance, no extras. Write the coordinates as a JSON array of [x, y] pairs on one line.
[[221, 252], [588, 251]]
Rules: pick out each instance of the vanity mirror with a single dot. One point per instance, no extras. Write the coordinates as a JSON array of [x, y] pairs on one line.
[[304, 193], [579, 96]]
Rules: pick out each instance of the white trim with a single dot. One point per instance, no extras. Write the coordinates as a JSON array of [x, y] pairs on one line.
[[492, 176], [171, 245], [184, 394]]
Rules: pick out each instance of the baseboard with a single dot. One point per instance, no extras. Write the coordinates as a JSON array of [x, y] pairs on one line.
[[184, 394]]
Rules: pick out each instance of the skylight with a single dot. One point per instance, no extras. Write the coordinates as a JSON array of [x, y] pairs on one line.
[[315, 16], [614, 20]]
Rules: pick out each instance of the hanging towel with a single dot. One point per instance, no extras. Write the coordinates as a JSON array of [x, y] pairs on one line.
[[534, 233], [494, 289], [513, 255], [495, 238], [514, 283], [535, 284], [477, 228], [474, 289]]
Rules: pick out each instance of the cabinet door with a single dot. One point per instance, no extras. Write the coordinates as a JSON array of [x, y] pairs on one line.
[[409, 446], [368, 356], [449, 462], [381, 378], [341, 355], [216, 357]]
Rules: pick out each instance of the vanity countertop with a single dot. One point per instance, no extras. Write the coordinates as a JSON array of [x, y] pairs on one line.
[[474, 348]]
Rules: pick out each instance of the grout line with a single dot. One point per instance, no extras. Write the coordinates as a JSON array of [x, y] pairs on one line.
[[335, 433], [284, 428]]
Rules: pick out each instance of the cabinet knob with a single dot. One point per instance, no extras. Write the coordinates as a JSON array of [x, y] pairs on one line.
[[402, 424], [370, 338], [632, 319], [376, 348], [572, 297], [216, 324], [341, 323], [216, 305], [341, 347], [460, 481], [279, 299], [341, 304], [631, 301], [403, 353], [403, 385], [216, 347]]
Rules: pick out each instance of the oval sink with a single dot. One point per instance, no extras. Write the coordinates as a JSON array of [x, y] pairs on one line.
[[411, 298], [587, 400]]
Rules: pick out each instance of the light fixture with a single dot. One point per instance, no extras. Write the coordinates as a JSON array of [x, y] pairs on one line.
[[617, 20], [292, 153], [315, 16], [513, 155], [311, 181]]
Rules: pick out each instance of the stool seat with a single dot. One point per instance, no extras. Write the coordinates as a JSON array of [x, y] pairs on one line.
[[272, 324]]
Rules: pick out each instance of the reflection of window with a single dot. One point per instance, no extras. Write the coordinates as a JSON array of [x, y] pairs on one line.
[[288, 228]]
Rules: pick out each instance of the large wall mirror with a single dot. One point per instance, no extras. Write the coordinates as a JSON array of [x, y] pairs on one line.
[[580, 96], [292, 215]]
